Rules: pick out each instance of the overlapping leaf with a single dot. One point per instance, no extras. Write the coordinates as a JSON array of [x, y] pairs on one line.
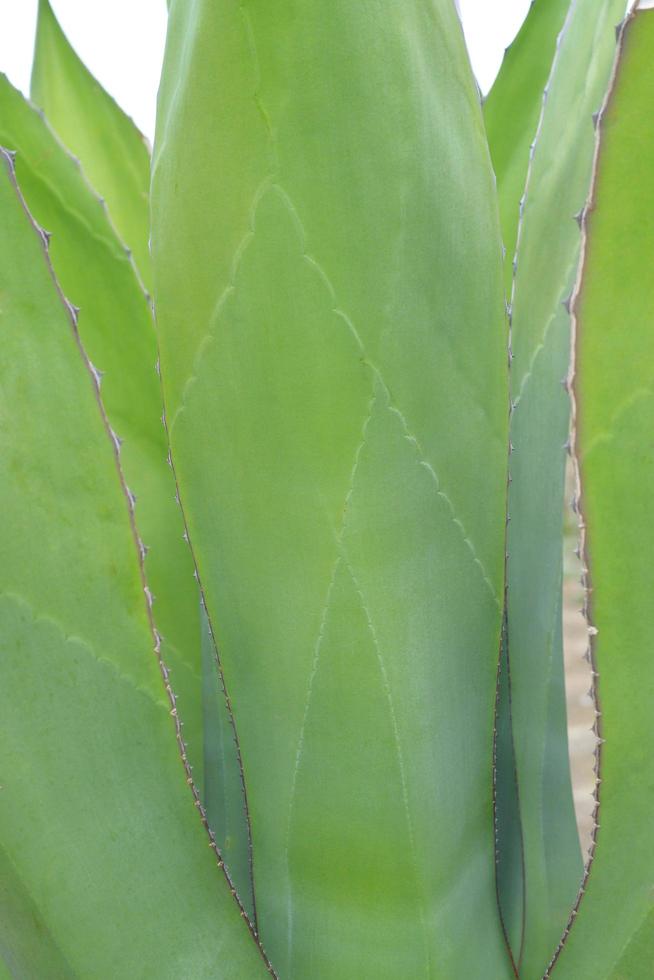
[[328, 287], [612, 935], [547, 252], [116, 327], [108, 864], [513, 107], [113, 152]]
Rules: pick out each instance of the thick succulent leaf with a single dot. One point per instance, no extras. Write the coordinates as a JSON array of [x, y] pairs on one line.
[[113, 152], [116, 327], [512, 112], [113, 869], [547, 252], [328, 286], [513, 106], [613, 932], [115, 323]]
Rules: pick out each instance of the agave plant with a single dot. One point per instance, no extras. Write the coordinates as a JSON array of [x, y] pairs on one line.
[[285, 415]]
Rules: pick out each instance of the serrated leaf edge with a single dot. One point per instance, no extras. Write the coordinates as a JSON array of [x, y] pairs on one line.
[[8, 158], [577, 501]]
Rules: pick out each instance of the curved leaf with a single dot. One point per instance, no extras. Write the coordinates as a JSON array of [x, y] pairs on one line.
[[547, 253], [115, 324], [511, 113], [95, 817], [113, 152], [328, 290], [613, 935], [512, 109]]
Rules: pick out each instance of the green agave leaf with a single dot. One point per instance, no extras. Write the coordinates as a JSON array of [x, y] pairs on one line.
[[112, 868], [547, 253], [113, 152], [513, 107], [115, 323], [512, 112], [329, 297], [613, 931]]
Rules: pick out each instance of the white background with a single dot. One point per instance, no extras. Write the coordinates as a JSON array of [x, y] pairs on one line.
[[122, 41]]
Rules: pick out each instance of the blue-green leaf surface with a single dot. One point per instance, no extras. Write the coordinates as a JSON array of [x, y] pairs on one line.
[[115, 323], [329, 298], [114, 873], [612, 932], [544, 267]]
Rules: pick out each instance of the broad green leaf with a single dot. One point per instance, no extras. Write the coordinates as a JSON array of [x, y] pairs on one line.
[[115, 324], [613, 932], [547, 253], [513, 107], [328, 287], [97, 825], [511, 112], [113, 152]]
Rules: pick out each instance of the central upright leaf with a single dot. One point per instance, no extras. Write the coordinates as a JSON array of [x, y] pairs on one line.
[[328, 280]]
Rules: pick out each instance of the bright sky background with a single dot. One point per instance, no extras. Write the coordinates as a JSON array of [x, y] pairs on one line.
[[122, 42]]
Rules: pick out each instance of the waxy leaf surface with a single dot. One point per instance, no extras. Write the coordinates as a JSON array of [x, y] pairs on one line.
[[612, 935], [512, 109], [328, 285], [98, 827], [115, 324], [547, 246], [113, 152]]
